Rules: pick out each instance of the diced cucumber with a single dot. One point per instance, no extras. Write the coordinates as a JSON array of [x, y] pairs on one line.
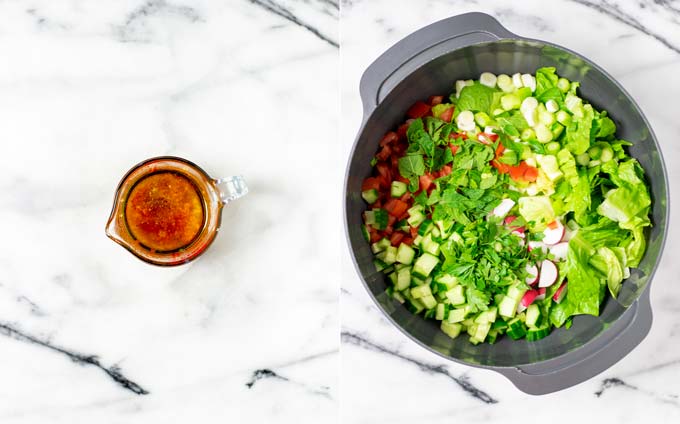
[[451, 329], [402, 225], [425, 264], [458, 314], [416, 219], [448, 280], [393, 279], [516, 329], [442, 312], [421, 291], [456, 296], [428, 301], [370, 196], [532, 313], [377, 218], [365, 233], [537, 333], [510, 101], [426, 226], [492, 336], [380, 245], [403, 279], [480, 332], [380, 265], [398, 297], [482, 119], [430, 246], [508, 307], [390, 255], [398, 189], [418, 240], [416, 209], [405, 254], [488, 316]]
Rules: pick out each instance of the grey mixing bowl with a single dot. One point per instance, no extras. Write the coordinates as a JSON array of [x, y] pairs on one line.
[[428, 62]]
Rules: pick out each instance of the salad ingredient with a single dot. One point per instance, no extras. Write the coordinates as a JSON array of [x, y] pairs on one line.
[[512, 229]]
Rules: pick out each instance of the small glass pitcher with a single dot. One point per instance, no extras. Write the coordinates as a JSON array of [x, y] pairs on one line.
[[167, 210]]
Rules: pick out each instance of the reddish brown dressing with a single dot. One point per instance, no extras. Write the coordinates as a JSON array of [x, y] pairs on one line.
[[164, 211]]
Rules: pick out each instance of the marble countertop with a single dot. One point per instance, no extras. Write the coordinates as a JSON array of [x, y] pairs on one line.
[[388, 378], [248, 333]]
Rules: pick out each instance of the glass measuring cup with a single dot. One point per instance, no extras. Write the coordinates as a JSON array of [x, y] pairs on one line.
[[167, 210]]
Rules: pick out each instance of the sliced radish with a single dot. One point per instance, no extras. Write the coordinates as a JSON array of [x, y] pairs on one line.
[[560, 250], [532, 270], [537, 245], [519, 233], [560, 293], [554, 233], [541, 293], [508, 219], [528, 298], [503, 208], [548, 274]]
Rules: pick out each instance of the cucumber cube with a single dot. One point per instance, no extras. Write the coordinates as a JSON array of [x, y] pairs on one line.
[[457, 315], [456, 296], [421, 291], [398, 189], [424, 265], [405, 254], [403, 279], [428, 301], [451, 329]]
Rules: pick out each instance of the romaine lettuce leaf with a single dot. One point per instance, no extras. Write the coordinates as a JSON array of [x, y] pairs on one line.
[[635, 248], [606, 261], [476, 98], [537, 211], [578, 132], [584, 283]]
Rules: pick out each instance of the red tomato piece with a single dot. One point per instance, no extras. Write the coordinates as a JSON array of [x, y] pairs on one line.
[[395, 207], [501, 167], [447, 115], [401, 131], [453, 148], [425, 182], [396, 238], [499, 150], [407, 241], [435, 100], [403, 216], [517, 172], [384, 153], [370, 183], [418, 110], [446, 170], [531, 174], [390, 137], [414, 231], [388, 230]]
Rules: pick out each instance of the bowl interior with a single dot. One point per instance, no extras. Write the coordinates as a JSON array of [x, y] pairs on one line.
[[438, 77]]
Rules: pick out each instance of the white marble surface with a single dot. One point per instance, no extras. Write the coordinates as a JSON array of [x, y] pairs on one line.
[[248, 333], [386, 377]]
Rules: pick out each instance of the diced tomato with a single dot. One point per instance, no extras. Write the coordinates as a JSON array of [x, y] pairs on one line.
[[384, 153], [458, 135], [402, 179], [395, 207], [401, 131], [407, 241], [414, 231], [402, 216], [388, 230], [487, 138], [501, 167], [396, 238], [453, 148], [370, 183], [499, 150], [384, 171], [531, 174], [375, 236], [405, 197], [425, 182], [390, 137], [394, 162], [517, 172], [435, 100], [418, 110], [446, 170], [391, 219], [447, 115]]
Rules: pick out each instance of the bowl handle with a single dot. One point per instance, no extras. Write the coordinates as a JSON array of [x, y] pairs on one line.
[[422, 46], [591, 359]]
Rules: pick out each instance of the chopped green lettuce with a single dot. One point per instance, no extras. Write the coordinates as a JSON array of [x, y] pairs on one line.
[[578, 132], [476, 98], [537, 211]]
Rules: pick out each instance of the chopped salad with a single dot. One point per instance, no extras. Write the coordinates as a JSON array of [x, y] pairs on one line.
[[507, 208]]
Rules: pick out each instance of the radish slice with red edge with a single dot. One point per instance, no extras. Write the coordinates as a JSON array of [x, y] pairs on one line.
[[548, 274], [528, 298], [554, 233], [532, 270], [559, 295], [537, 245], [508, 219], [560, 250], [541, 293], [503, 208]]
